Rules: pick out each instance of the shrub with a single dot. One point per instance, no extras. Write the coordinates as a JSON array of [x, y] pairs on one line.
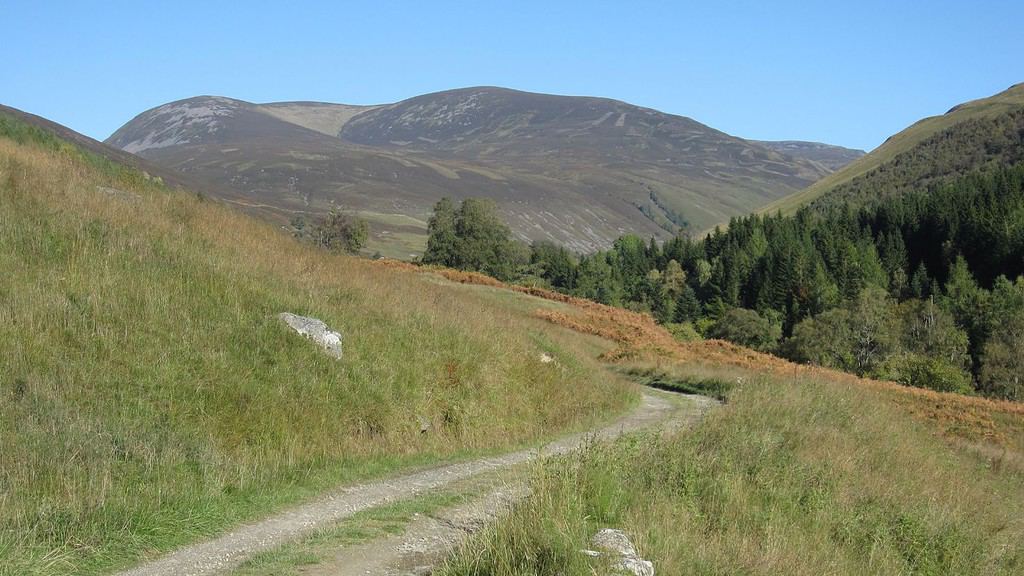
[[703, 326], [338, 231], [683, 331], [747, 328], [926, 372]]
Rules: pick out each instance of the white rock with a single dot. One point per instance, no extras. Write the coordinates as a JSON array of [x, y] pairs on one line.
[[615, 542], [315, 330], [637, 566], [612, 540], [546, 358]]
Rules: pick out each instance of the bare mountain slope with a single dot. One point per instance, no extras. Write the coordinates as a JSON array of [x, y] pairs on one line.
[[506, 126], [579, 171], [319, 116], [831, 157]]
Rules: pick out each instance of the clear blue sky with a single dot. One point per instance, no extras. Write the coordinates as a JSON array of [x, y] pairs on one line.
[[848, 73]]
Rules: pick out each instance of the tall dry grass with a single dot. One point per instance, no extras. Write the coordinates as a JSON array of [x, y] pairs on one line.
[[792, 476]]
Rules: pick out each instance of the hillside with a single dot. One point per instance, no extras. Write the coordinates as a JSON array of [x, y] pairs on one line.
[[150, 397], [578, 171], [19, 125], [984, 132]]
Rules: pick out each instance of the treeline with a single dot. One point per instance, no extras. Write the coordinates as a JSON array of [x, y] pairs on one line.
[[924, 288]]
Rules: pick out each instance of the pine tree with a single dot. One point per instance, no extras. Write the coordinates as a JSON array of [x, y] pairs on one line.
[[921, 283], [555, 264], [688, 307]]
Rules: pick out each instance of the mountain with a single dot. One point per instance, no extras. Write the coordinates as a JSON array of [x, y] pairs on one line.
[[575, 170], [831, 157], [974, 135]]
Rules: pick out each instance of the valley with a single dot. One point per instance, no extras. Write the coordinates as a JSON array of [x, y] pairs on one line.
[[523, 289]]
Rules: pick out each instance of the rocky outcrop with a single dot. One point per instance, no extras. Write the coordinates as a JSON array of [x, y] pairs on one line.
[[316, 331]]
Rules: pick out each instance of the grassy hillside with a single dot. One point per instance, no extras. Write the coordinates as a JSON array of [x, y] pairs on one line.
[[802, 471], [792, 476], [24, 127], [149, 396], [938, 146]]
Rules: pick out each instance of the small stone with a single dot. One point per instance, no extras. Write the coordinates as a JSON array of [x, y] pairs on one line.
[[424, 424], [546, 358]]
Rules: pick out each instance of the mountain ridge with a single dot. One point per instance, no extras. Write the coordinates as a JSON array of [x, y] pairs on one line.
[[579, 171]]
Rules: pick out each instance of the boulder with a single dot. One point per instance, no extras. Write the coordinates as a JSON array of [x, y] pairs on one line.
[[615, 543], [315, 330]]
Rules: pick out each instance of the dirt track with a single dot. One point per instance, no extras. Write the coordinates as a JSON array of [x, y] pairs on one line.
[[223, 553]]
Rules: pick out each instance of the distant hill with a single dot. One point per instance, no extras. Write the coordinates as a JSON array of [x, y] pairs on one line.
[[579, 171], [973, 135], [831, 157]]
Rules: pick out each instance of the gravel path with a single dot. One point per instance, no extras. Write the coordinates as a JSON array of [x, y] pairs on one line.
[[225, 552]]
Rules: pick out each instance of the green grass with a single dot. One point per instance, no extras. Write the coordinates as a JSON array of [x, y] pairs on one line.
[[396, 244], [706, 384], [149, 396], [24, 133], [788, 477]]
